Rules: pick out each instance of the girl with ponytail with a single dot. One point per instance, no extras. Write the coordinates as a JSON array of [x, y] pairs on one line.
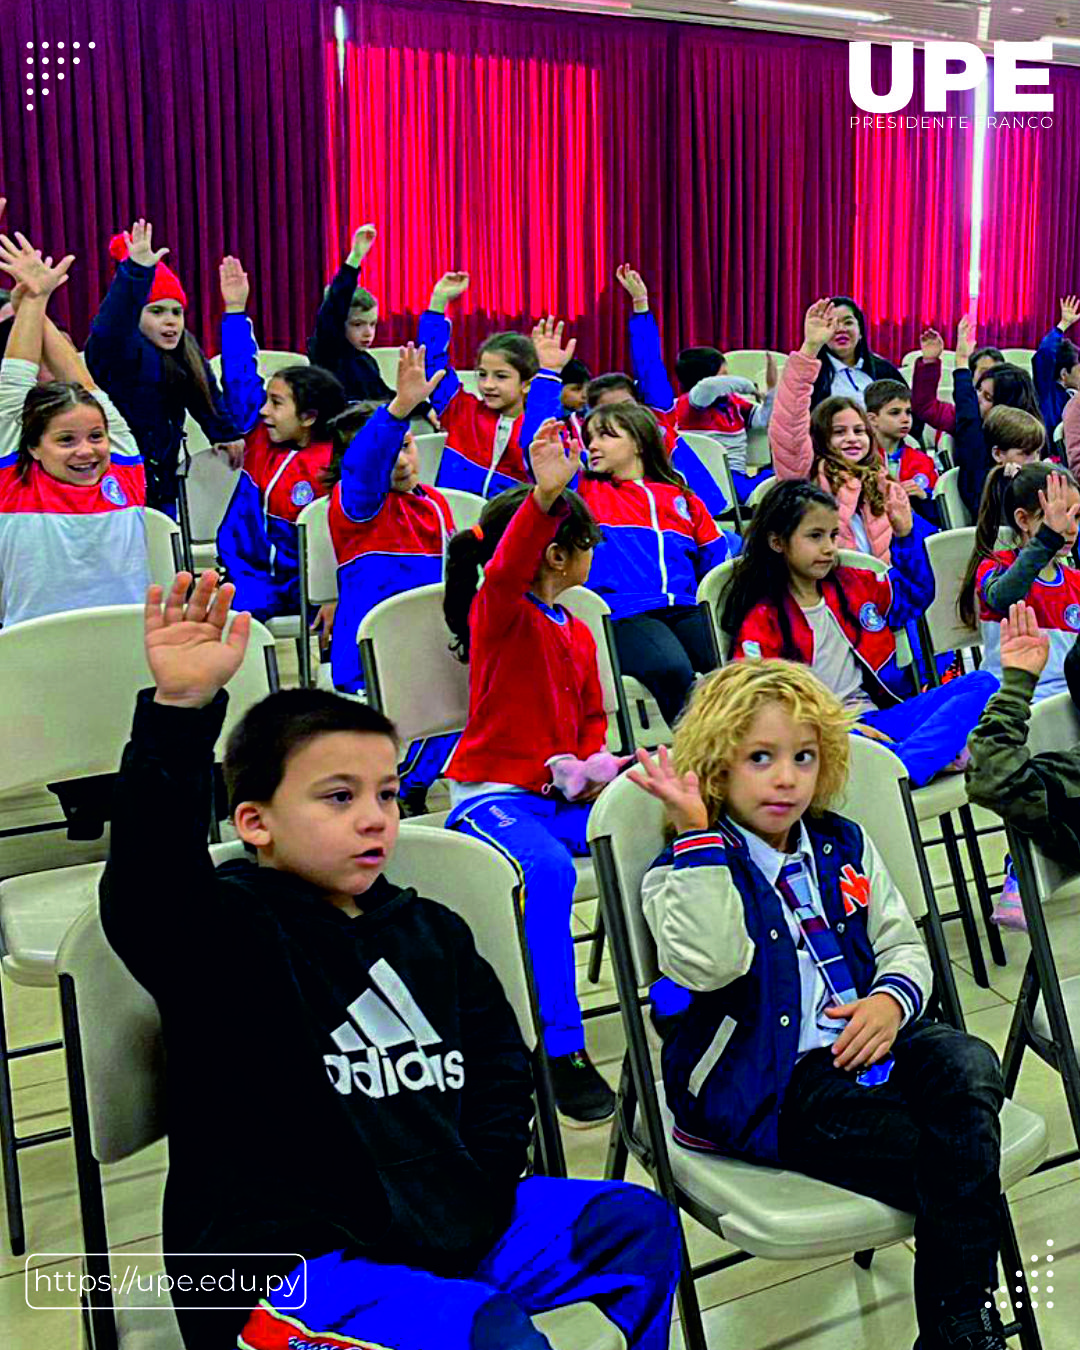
[[1039, 505]]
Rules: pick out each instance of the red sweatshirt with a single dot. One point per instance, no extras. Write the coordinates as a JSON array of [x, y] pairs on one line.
[[534, 690]]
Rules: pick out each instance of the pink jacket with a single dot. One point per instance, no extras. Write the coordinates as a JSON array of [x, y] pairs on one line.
[[793, 453], [1070, 420]]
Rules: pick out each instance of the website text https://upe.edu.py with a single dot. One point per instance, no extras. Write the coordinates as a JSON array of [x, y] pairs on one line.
[[142, 1283]]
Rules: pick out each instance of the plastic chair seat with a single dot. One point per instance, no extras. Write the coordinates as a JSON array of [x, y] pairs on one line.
[[36, 912], [786, 1216], [1070, 994], [946, 793]]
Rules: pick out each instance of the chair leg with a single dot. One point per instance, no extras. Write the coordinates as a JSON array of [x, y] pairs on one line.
[[1012, 1260], [689, 1307], [982, 887], [8, 1148], [597, 954], [963, 900], [863, 1259], [1017, 1040], [618, 1152]]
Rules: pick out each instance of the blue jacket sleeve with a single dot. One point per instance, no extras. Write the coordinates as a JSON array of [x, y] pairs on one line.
[[369, 463], [116, 348], [911, 578], [543, 400], [711, 555], [969, 443], [656, 390], [434, 336], [325, 343], [1042, 371], [244, 392]]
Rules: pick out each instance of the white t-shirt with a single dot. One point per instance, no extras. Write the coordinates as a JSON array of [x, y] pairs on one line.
[[834, 660]]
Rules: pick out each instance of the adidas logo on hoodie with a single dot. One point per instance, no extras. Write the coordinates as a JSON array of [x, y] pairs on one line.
[[383, 1018]]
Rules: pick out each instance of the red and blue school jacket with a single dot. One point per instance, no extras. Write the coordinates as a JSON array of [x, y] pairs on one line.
[[1057, 609], [386, 542], [658, 395], [258, 541], [64, 546], [910, 463], [879, 605], [483, 451], [534, 687]]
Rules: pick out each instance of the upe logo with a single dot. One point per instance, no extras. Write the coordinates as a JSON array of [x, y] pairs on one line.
[[940, 80]]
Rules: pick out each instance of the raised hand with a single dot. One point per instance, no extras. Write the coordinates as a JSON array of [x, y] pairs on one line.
[[187, 651], [965, 339], [633, 285], [679, 792], [362, 240], [140, 244], [413, 386], [818, 326], [1054, 504], [233, 451], [547, 339], [1024, 646], [553, 464], [897, 506], [37, 276], [872, 1024], [772, 371], [235, 287], [932, 344], [448, 287], [1070, 312]]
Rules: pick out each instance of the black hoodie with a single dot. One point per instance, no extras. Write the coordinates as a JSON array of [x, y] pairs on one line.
[[332, 1082], [328, 346]]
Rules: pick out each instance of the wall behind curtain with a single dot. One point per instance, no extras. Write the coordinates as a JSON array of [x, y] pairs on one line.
[[205, 116]]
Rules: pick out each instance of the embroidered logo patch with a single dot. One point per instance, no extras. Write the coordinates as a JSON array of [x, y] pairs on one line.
[[1072, 617], [682, 507], [113, 492], [922, 480], [870, 617], [854, 889], [302, 494], [751, 649]]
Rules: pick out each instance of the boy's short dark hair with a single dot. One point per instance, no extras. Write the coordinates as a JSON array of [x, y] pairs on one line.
[[697, 363], [1065, 357], [884, 391], [981, 353], [363, 300], [614, 382], [575, 372], [262, 742]]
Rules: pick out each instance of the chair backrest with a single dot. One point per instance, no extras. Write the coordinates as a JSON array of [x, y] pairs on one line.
[[948, 362], [210, 484], [1055, 725], [749, 363], [318, 561], [465, 507], [712, 591], [429, 448], [386, 358], [592, 610], [162, 547], [267, 363], [951, 506], [120, 1026], [409, 671], [757, 495], [1019, 356], [1059, 433], [49, 736], [634, 823], [195, 438], [712, 454], [873, 799], [949, 551], [470, 381]]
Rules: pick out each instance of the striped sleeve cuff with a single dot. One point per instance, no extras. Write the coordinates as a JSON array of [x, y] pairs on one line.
[[699, 848], [906, 992]]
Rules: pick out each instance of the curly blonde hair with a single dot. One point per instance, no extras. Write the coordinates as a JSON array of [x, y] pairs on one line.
[[723, 707]]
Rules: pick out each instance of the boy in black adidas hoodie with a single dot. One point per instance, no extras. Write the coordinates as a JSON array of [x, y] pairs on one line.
[[346, 1081]]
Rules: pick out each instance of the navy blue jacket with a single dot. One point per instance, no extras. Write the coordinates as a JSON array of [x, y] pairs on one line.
[[328, 346], [1052, 395]]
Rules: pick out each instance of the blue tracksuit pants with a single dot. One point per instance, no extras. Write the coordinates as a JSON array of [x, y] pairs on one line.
[[931, 729], [541, 836], [603, 1242]]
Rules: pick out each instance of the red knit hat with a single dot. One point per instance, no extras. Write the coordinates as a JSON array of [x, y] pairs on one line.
[[166, 283]]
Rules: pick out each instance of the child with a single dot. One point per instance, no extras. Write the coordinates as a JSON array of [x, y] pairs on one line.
[[1014, 436], [847, 365], [1055, 367], [483, 452], [575, 381], [718, 403], [283, 462], [345, 328], [389, 535], [534, 694], [833, 445], [72, 486], [805, 1043], [1035, 793], [327, 991], [926, 377], [789, 598], [152, 367], [1040, 504], [888, 410]]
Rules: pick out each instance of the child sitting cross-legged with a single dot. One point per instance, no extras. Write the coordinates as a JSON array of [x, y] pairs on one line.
[[346, 1079], [805, 1042]]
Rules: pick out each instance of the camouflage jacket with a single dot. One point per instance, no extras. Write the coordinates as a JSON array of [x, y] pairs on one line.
[[1036, 794]]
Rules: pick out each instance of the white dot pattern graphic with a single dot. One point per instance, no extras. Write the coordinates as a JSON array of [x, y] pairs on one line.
[[43, 75]]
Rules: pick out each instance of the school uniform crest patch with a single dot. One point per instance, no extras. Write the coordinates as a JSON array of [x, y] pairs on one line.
[[683, 508], [1072, 617], [302, 494], [871, 618], [113, 492]]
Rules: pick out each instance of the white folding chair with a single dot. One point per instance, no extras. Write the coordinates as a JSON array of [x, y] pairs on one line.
[[268, 363], [164, 547], [764, 1211], [712, 455], [207, 484], [758, 494], [951, 508], [1019, 356], [1046, 1018], [386, 358], [53, 737], [1059, 434], [116, 1068], [429, 449], [465, 507], [318, 571], [749, 363]]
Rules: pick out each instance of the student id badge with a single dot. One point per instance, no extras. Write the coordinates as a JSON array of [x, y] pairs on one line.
[[876, 1074]]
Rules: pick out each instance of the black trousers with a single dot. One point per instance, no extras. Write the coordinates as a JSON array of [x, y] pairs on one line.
[[663, 648]]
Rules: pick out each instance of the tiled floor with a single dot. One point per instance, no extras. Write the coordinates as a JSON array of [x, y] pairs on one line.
[[759, 1305]]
